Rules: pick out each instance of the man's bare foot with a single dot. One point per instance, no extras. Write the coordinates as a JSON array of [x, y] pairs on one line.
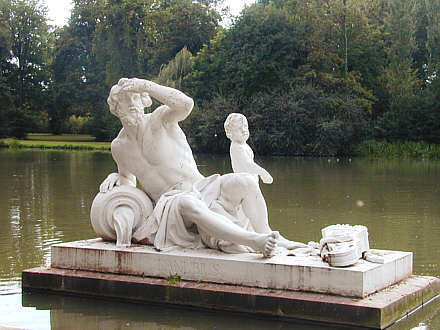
[[235, 248], [290, 245], [267, 243]]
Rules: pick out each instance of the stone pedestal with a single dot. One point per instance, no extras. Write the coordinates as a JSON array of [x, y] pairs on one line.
[[367, 294], [207, 265], [377, 311]]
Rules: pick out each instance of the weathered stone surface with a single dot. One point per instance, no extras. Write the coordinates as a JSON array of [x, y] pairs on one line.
[[229, 211], [207, 265], [378, 310]]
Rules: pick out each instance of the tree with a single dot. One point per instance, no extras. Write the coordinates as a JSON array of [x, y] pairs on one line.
[[259, 53], [178, 24], [401, 27], [433, 36], [401, 78], [6, 101], [25, 67], [144, 35], [5, 35], [29, 31], [77, 74], [124, 28], [175, 71], [277, 67]]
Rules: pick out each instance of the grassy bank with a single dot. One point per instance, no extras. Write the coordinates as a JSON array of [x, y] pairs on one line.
[[61, 137], [408, 149], [369, 148], [64, 141]]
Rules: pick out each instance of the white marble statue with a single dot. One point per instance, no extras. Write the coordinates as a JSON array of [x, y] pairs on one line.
[[190, 210], [344, 245], [242, 156], [119, 213]]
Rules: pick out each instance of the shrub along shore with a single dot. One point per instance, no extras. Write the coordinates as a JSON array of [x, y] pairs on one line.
[[407, 149], [369, 148]]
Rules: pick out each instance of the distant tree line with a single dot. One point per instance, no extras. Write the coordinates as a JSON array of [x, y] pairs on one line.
[[313, 77]]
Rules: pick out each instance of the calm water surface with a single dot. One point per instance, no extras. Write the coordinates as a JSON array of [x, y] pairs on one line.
[[46, 198]]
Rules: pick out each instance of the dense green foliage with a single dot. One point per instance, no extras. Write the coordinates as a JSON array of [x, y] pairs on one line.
[[409, 149], [24, 66], [313, 77]]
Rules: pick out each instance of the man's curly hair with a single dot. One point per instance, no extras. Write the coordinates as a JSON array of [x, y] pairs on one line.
[[116, 91]]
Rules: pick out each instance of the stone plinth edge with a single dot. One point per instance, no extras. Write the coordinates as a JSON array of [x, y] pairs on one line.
[[279, 272], [376, 311]]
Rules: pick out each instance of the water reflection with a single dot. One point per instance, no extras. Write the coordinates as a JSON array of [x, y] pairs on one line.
[[104, 314], [46, 198]]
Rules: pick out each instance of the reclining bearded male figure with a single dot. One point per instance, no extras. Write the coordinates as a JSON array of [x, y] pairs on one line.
[[190, 211]]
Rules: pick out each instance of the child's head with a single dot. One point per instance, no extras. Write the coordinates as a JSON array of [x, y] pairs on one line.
[[236, 127]]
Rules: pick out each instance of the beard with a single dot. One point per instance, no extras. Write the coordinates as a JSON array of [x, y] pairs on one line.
[[131, 119]]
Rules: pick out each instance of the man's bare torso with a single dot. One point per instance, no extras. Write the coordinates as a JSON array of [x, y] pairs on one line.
[[160, 157]]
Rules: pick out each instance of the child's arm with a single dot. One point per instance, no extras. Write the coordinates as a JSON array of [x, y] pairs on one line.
[[242, 162]]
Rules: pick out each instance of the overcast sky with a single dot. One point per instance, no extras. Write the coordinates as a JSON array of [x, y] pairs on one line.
[[59, 10]]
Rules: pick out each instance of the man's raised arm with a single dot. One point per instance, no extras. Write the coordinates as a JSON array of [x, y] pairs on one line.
[[179, 104]]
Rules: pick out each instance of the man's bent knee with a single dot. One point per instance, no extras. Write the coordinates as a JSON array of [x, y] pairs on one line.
[[244, 181], [189, 207]]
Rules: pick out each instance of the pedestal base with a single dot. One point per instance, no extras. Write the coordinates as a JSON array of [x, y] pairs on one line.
[[366, 294], [376, 311], [248, 269]]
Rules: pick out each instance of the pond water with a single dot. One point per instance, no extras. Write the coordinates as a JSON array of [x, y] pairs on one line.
[[46, 198]]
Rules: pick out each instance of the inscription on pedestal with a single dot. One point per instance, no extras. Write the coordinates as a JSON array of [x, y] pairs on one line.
[[184, 267]]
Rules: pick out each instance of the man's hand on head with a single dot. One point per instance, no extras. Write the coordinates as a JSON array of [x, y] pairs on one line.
[[136, 85], [122, 81]]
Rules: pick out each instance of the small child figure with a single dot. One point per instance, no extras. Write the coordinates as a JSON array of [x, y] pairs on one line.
[[242, 156], [242, 159]]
